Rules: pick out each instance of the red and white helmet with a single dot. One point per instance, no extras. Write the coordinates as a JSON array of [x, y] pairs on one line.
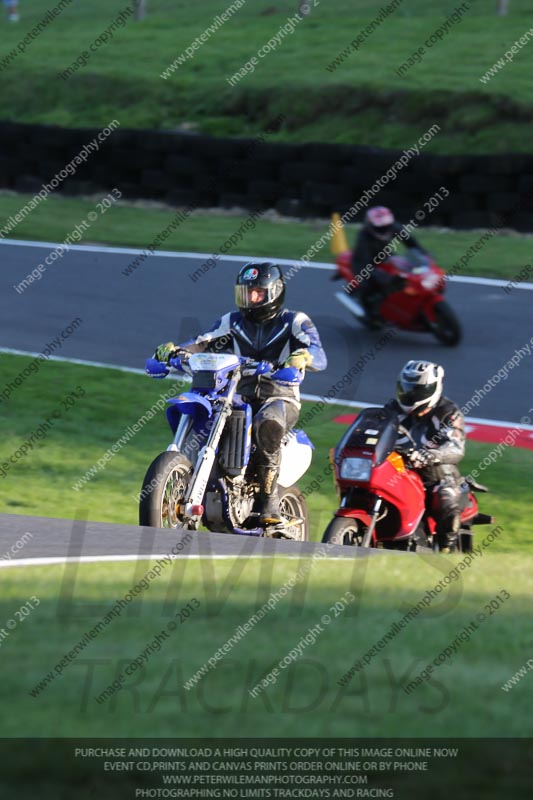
[[380, 222]]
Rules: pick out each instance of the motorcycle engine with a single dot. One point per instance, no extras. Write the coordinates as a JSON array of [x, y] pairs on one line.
[[241, 499]]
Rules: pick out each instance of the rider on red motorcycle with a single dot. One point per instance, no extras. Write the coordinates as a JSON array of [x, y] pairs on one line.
[[373, 284], [436, 425]]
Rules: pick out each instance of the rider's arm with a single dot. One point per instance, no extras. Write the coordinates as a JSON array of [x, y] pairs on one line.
[[218, 339], [305, 341], [450, 438], [408, 239], [447, 443]]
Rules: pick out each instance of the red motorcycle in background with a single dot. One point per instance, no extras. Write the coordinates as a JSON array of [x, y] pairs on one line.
[[382, 500], [417, 305]]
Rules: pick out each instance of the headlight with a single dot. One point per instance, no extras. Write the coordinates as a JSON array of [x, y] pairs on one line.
[[356, 469], [431, 282]]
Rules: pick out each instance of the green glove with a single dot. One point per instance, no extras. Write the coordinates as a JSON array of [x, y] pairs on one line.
[[165, 351], [299, 359]]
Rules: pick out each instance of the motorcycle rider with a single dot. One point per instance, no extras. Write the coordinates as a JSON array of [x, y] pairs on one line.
[[263, 330], [373, 284], [437, 426]]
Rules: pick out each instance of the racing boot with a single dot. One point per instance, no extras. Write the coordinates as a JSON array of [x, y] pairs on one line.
[[268, 494], [448, 540]]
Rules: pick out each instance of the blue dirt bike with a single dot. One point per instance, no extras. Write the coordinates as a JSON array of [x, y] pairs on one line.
[[208, 472]]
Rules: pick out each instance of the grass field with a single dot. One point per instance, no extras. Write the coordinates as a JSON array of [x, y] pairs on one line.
[[136, 224], [41, 482], [363, 100], [463, 697]]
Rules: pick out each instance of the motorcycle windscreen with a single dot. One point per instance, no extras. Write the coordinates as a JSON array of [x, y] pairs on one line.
[[375, 430]]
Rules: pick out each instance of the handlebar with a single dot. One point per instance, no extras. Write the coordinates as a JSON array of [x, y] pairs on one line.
[[405, 449], [249, 367], [283, 375]]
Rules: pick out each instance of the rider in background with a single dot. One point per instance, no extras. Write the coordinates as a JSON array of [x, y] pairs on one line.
[[437, 426], [12, 10], [378, 230], [263, 330]]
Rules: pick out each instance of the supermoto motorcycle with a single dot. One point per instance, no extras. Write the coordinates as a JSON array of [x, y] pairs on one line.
[[207, 474], [382, 499], [416, 304]]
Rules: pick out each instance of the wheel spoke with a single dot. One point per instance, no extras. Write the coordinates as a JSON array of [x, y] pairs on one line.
[[290, 509], [173, 496]]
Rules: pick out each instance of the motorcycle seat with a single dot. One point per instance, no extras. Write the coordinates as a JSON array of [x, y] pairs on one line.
[[477, 487]]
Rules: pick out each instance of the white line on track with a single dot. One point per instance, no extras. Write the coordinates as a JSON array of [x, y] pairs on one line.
[[497, 423], [94, 248], [312, 397], [45, 561]]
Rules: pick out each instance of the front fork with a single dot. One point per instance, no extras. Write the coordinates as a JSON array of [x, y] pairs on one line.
[[206, 457], [367, 538]]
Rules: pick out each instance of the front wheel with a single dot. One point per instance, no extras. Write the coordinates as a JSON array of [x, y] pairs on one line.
[[293, 508], [446, 327], [164, 490], [343, 530]]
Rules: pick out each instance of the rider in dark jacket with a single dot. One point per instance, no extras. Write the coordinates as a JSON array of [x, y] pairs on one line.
[[437, 426], [263, 330], [372, 283]]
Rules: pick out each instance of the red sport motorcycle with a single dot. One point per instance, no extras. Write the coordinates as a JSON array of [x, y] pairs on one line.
[[418, 302], [382, 499]]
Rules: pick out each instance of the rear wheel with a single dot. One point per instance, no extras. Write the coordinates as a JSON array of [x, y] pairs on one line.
[[164, 489], [343, 530], [446, 327], [293, 507]]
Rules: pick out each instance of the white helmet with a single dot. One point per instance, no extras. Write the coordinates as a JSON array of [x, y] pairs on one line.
[[419, 386]]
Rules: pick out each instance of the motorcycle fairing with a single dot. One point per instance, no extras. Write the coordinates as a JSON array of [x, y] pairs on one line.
[[191, 403]]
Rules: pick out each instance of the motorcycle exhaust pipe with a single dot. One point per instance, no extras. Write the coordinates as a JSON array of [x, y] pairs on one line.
[[483, 519]]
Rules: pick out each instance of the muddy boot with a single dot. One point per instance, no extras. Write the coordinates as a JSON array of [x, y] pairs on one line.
[[268, 495]]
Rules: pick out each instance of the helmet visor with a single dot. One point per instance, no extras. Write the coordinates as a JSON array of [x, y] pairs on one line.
[[257, 296], [409, 395]]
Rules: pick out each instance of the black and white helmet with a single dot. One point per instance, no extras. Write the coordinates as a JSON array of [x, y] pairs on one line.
[[419, 386]]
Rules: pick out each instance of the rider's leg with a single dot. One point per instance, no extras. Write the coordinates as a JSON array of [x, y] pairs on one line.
[[446, 509], [270, 424], [371, 296]]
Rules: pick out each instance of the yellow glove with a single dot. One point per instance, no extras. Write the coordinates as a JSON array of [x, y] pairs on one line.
[[165, 351], [299, 359]]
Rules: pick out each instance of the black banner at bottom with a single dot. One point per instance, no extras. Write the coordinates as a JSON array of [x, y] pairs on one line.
[[405, 769]]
